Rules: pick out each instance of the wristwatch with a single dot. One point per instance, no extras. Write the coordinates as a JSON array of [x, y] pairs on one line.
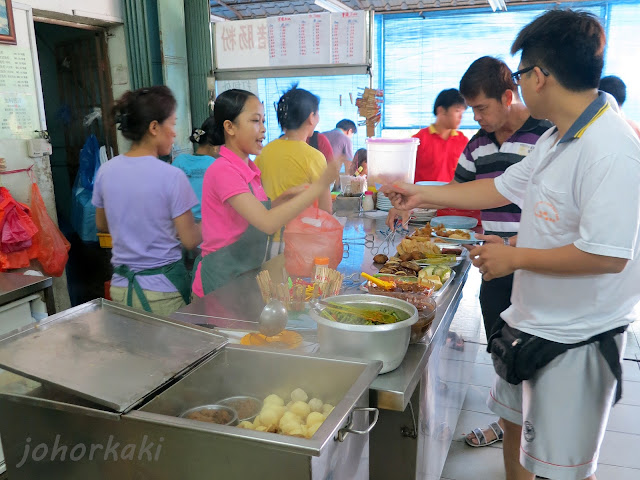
[[505, 240]]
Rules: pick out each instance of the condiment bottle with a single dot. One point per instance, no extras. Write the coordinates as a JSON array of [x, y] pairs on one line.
[[367, 202], [321, 269]]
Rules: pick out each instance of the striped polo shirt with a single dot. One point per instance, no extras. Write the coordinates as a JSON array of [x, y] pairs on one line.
[[483, 157]]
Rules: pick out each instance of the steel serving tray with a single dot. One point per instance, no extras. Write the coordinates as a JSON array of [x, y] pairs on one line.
[[113, 355]]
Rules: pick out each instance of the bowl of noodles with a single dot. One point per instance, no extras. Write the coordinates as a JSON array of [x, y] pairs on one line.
[[366, 327]]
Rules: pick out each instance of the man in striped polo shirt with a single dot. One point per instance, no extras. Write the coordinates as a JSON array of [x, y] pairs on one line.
[[507, 134]]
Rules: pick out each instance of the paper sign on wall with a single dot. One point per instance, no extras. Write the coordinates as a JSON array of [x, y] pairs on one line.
[[19, 116], [241, 43], [251, 85]]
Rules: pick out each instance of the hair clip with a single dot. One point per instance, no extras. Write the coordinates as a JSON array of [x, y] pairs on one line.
[[122, 119], [197, 134]]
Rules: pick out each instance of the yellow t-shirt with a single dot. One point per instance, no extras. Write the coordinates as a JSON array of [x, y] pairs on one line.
[[289, 163]]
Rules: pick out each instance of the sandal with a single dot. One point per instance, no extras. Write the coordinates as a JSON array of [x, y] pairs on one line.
[[482, 440], [455, 341]]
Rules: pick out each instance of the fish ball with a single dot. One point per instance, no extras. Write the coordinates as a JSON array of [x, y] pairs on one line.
[[301, 409], [247, 425], [327, 408], [294, 429], [299, 395], [261, 429], [312, 429], [269, 416], [288, 418], [315, 404], [314, 417], [273, 398]]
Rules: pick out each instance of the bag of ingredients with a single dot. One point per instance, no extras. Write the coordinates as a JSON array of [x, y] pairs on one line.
[[50, 246], [314, 233]]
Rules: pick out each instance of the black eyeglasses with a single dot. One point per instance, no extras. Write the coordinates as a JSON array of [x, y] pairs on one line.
[[516, 76]]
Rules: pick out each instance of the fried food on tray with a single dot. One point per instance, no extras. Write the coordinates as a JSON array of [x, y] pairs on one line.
[[441, 231], [423, 232], [410, 245], [284, 340], [380, 258]]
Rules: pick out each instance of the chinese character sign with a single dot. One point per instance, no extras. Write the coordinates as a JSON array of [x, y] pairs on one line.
[[241, 44], [292, 40], [19, 115]]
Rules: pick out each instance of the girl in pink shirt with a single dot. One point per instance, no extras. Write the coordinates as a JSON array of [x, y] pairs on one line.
[[237, 216]]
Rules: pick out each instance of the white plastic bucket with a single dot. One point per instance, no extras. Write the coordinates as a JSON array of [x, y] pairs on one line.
[[391, 160]]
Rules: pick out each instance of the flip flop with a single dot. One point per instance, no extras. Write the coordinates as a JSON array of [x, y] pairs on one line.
[[482, 440]]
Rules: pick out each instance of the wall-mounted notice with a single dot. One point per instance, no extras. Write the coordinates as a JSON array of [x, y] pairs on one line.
[[242, 43], [295, 40], [250, 85], [19, 116], [348, 35]]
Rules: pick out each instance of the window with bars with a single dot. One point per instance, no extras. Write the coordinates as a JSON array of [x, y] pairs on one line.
[[419, 56]]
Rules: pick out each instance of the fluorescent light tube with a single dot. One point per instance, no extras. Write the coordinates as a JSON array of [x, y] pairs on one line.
[[333, 6]]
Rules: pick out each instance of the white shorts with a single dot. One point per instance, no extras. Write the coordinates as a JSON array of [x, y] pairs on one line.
[[563, 411]]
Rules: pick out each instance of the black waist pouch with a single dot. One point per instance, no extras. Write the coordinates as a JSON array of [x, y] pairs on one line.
[[517, 355]]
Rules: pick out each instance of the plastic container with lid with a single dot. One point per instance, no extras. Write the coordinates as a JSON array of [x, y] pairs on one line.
[[320, 269], [367, 202], [391, 160]]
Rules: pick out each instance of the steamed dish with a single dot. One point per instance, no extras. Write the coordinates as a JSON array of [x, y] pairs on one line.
[[297, 418]]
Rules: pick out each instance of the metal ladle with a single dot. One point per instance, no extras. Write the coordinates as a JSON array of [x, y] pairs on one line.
[[273, 318]]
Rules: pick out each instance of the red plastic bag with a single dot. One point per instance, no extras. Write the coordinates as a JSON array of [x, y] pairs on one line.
[[314, 233], [16, 227], [49, 245]]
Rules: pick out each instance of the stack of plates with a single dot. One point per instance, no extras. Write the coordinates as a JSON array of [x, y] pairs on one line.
[[383, 202], [422, 215]]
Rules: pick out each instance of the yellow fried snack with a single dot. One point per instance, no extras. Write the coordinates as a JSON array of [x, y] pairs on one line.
[[409, 245]]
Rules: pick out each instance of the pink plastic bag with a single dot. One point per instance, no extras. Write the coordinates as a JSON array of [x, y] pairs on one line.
[[314, 233]]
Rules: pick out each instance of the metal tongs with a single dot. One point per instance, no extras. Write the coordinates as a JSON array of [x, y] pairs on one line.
[[390, 235]]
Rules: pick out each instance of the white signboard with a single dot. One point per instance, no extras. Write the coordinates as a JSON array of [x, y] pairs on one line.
[[348, 38], [292, 40], [19, 116], [242, 43]]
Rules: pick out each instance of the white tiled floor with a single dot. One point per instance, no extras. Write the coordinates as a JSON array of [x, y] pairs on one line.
[[620, 453]]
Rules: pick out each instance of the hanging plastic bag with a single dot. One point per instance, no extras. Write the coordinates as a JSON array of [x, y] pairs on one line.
[[314, 233], [83, 213], [50, 246], [16, 227]]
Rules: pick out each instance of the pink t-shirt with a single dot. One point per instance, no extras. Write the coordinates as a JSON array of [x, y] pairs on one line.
[[227, 177]]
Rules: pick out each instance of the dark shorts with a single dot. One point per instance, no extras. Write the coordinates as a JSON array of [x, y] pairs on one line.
[[495, 298]]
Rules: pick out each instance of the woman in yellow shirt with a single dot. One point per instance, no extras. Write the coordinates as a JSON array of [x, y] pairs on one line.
[[289, 161]]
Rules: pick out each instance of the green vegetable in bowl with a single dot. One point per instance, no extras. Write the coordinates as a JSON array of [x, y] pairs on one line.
[[355, 315]]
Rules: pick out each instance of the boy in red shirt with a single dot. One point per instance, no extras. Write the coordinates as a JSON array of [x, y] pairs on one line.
[[441, 144]]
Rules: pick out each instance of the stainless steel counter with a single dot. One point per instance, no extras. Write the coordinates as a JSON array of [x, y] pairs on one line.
[[238, 305], [14, 287]]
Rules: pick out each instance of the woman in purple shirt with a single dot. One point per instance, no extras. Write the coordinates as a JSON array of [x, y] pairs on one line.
[[145, 204]]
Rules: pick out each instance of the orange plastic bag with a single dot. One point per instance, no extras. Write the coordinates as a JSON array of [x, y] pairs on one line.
[[314, 233], [50, 246]]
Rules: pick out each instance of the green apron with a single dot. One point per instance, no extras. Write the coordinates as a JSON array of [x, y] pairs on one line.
[[176, 273], [245, 254]]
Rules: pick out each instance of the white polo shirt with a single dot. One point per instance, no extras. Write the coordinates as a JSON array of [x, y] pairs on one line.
[[583, 190]]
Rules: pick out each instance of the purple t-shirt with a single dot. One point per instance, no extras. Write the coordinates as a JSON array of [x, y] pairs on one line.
[[340, 143], [141, 196]]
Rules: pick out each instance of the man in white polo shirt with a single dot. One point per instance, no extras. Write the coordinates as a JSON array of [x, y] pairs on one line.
[[576, 262]]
